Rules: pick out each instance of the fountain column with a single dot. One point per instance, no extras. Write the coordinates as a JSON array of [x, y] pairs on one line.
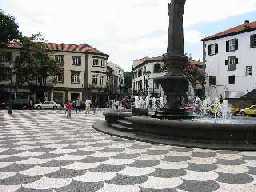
[[174, 83]]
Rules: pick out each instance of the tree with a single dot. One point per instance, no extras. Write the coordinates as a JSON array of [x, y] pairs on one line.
[[127, 82], [195, 74], [34, 67], [8, 29]]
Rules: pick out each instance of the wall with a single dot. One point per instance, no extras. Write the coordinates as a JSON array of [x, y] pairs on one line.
[[215, 66]]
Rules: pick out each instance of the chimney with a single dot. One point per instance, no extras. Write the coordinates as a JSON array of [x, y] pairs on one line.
[[246, 22]]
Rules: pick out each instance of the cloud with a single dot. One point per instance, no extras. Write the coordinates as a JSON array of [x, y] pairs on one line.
[[126, 30]]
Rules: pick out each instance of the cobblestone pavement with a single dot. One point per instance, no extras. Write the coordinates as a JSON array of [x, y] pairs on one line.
[[44, 151]]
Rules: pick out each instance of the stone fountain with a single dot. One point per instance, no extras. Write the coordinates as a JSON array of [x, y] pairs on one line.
[[174, 83], [175, 126]]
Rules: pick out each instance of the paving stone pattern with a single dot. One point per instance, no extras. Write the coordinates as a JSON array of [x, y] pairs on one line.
[[42, 151]]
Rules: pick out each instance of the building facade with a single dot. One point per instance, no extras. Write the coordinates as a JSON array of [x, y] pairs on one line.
[[83, 73], [145, 71], [115, 79], [230, 58]]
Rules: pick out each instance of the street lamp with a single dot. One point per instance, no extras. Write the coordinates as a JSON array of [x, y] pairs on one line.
[[10, 96]]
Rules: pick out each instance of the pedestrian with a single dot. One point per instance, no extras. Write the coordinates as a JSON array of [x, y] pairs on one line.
[[88, 103], [30, 104], [69, 108], [78, 104]]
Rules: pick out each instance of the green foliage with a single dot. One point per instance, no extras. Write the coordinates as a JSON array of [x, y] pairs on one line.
[[8, 28], [195, 74], [34, 66]]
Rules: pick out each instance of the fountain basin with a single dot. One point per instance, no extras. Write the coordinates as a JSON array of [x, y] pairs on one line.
[[206, 133]]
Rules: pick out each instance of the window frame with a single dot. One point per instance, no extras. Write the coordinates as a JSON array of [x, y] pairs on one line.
[[94, 79], [77, 60], [232, 45], [60, 74], [101, 80], [232, 62], [248, 72], [213, 49], [75, 77], [95, 62], [102, 63], [253, 41], [232, 81], [212, 80], [59, 59]]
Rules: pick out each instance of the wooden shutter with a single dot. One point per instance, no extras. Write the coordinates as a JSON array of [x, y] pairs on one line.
[[209, 50], [253, 40], [236, 47], [226, 62], [236, 60], [227, 46], [216, 48]]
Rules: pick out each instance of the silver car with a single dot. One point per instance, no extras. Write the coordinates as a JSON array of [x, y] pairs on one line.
[[47, 105]]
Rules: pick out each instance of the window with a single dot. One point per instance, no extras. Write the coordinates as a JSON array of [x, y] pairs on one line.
[[213, 49], [157, 68], [101, 80], [5, 57], [140, 73], [75, 77], [102, 63], [231, 62], [232, 45], [60, 77], [157, 85], [212, 80], [95, 62], [94, 79], [231, 79], [76, 60], [5, 74], [59, 59], [253, 41], [248, 71]]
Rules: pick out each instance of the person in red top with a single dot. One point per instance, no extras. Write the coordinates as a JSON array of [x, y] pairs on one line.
[[69, 108]]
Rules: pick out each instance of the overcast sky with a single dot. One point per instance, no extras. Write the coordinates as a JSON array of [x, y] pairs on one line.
[[126, 29]]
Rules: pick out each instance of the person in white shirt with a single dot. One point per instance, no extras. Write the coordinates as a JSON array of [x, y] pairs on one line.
[[88, 103]]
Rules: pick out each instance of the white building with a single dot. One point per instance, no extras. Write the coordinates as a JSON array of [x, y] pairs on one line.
[[145, 71], [230, 59]]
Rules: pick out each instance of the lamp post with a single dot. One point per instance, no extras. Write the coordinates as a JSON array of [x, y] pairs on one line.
[[10, 96]]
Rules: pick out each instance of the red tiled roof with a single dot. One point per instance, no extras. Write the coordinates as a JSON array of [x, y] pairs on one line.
[[81, 48], [149, 59], [246, 27]]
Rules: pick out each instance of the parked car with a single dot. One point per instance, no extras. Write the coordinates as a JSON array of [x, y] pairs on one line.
[[47, 105], [251, 111]]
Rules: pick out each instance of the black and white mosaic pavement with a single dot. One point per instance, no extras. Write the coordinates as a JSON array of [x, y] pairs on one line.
[[43, 151]]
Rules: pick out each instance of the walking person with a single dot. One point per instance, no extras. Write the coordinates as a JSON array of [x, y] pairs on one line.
[[88, 103], [78, 104], [69, 108]]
